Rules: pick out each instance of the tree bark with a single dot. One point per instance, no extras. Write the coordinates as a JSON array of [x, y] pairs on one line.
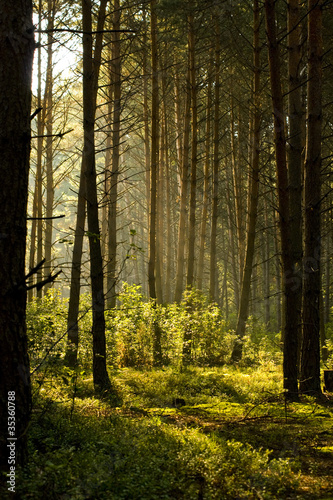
[[213, 281], [310, 358], [100, 375], [39, 176], [203, 227], [290, 361], [152, 265], [194, 148], [294, 157], [113, 195], [17, 47], [183, 198], [74, 298], [49, 142], [253, 193]]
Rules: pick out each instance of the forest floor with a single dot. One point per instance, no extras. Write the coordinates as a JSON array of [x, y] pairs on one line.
[[199, 433]]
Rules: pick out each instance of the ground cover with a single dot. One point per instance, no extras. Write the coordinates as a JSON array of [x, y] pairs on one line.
[[195, 433]]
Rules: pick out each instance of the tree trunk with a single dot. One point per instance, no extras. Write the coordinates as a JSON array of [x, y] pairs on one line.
[[310, 358], [203, 227], [39, 176], [74, 298], [253, 193], [213, 281], [183, 199], [294, 157], [193, 185], [100, 375], [49, 142], [157, 350], [115, 77], [290, 362], [169, 248], [145, 75], [17, 47], [32, 250]]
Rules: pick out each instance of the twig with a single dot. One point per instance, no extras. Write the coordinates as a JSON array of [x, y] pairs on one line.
[[40, 284], [35, 269], [60, 135], [46, 218]]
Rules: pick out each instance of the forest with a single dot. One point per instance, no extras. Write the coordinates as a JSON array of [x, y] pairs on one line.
[[166, 245]]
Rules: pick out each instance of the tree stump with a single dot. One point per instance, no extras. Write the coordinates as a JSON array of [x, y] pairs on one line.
[[328, 380]]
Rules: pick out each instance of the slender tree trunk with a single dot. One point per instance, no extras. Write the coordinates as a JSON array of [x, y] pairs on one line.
[[203, 226], [290, 362], [49, 142], [153, 159], [32, 253], [100, 375], [145, 71], [194, 148], [168, 196], [253, 193], [232, 244], [216, 163], [74, 298], [113, 196], [310, 359], [179, 124], [39, 176], [183, 200], [187, 340], [17, 47], [157, 351], [237, 185], [266, 269], [294, 156]]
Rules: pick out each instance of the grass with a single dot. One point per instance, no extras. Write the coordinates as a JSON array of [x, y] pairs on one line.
[[233, 439]]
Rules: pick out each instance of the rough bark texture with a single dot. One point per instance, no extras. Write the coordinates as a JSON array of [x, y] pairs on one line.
[[157, 352], [153, 160], [194, 148], [74, 299], [113, 196], [49, 144], [183, 200], [294, 156], [17, 46], [290, 362], [100, 375], [213, 281], [253, 196], [310, 358], [203, 226]]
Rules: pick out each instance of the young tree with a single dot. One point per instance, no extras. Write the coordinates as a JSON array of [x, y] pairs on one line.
[[17, 46]]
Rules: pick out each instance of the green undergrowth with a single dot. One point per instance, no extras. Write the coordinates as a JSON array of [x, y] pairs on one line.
[[207, 431], [232, 437]]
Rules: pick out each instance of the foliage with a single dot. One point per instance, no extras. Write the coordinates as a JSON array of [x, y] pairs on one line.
[[329, 345], [129, 331], [47, 328], [119, 455], [46, 325], [234, 437]]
